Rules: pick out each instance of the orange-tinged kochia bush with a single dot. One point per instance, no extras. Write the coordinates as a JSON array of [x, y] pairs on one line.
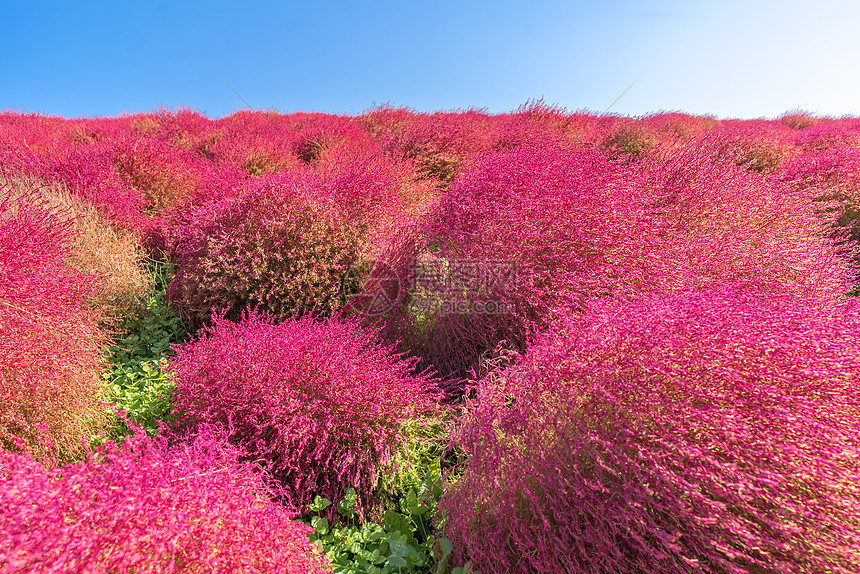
[[678, 126], [50, 341], [138, 180], [709, 430], [113, 255], [164, 175], [183, 128], [255, 154], [632, 138], [283, 243], [435, 143], [147, 507], [798, 120], [325, 404]]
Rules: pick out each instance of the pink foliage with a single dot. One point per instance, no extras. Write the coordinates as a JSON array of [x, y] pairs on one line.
[[89, 172], [835, 170], [86, 131], [714, 221], [688, 408], [41, 136], [167, 180], [758, 145], [829, 133], [558, 218], [679, 126], [577, 225], [322, 403], [708, 430], [147, 507], [184, 129], [164, 175], [374, 191], [282, 242], [253, 143], [832, 177], [436, 144], [799, 120], [411, 134], [325, 139], [537, 120], [50, 341]]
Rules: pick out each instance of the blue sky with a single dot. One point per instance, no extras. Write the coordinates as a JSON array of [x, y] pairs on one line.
[[729, 59]]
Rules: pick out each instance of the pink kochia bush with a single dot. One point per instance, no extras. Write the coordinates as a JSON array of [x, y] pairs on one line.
[[374, 192], [435, 143], [89, 173], [536, 120], [710, 430], [324, 403], [164, 175], [831, 174], [757, 145], [148, 507], [713, 222], [551, 227], [283, 243], [252, 143], [50, 339]]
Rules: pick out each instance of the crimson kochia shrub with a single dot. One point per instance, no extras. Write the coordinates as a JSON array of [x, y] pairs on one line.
[[713, 222], [283, 244], [548, 226], [324, 404], [148, 507], [709, 430]]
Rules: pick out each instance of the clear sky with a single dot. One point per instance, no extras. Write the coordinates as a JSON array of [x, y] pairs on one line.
[[731, 58]]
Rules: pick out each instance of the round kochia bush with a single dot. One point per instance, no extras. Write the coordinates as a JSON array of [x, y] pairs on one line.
[[539, 227], [714, 222], [147, 507], [701, 431], [282, 243], [324, 404]]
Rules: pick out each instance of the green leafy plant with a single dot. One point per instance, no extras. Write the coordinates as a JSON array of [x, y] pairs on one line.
[[402, 541], [143, 391], [137, 376]]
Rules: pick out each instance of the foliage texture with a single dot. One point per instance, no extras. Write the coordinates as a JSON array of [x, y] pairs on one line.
[[708, 430], [324, 403], [148, 507]]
